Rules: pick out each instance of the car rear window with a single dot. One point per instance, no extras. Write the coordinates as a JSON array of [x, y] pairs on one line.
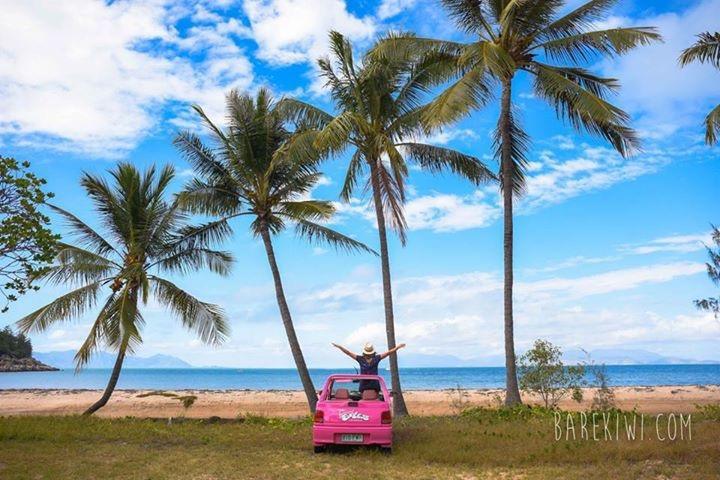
[[352, 388]]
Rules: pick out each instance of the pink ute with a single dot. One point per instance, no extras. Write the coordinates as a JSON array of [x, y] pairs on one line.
[[346, 416]]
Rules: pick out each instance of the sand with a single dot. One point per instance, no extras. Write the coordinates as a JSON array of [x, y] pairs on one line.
[[234, 403]]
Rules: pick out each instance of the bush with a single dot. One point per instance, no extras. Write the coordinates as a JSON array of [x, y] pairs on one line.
[[16, 346], [543, 373]]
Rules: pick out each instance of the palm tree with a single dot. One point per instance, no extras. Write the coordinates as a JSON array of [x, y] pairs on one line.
[[712, 304], [251, 169], [511, 37], [143, 237], [379, 110], [706, 50]]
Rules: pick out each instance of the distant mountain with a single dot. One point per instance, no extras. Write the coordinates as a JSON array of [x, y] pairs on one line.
[[606, 356], [64, 359], [614, 356]]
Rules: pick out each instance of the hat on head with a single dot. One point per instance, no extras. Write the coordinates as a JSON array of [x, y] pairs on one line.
[[369, 349]]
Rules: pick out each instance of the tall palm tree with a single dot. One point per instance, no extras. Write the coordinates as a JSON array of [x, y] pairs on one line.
[[524, 36], [706, 50], [379, 110], [251, 169], [143, 237]]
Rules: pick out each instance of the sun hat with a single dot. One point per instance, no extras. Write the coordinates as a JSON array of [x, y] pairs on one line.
[[369, 349]]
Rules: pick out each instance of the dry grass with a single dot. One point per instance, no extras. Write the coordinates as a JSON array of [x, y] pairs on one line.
[[481, 444]]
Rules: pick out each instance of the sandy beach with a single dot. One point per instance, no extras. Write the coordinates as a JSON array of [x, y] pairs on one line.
[[231, 404]]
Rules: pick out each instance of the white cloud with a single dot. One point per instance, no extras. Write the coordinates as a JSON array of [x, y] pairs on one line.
[[296, 31], [94, 76], [462, 313], [390, 8], [447, 212], [676, 243], [665, 97]]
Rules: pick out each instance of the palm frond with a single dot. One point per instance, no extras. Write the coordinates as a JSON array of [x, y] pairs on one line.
[[194, 259], [86, 234], [437, 159], [468, 93], [304, 115], [308, 209], [66, 307], [583, 109], [577, 20], [354, 170], [469, 16], [712, 126], [519, 144], [583, 47], [201, 157], [335, 136], [95, 336], [208, 321], [705, 50], [210, 198], [319, 234]]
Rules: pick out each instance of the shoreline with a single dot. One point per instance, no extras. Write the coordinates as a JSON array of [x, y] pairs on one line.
[[150, 403]]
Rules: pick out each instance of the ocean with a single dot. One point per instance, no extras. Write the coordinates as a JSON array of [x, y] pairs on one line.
[[287, 379]]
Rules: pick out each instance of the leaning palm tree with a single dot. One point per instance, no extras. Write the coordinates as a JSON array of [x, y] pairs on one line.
[[143, 237], [252, 169], [524, 36], [379, 107], [706, 50]]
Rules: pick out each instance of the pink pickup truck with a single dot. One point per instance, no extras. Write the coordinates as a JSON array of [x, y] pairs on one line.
[[348, 415]]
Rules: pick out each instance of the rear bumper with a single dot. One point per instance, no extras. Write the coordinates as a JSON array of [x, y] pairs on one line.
[[324, 434]]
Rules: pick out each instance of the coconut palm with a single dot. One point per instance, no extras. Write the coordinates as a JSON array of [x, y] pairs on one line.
[[511, 37], [712, 304], [706, 50], [379, 110], [251, 169], [143, 237]]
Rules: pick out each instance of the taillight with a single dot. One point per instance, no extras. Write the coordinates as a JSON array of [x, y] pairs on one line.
[[319, 416], [386, 417]]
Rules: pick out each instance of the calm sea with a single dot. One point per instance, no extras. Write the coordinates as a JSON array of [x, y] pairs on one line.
[[287, 379]]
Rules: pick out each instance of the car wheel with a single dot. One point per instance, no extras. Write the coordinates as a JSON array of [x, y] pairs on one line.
[[318, 448], [386, 450]]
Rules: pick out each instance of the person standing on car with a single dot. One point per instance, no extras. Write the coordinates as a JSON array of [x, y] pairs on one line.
[[369, 361]]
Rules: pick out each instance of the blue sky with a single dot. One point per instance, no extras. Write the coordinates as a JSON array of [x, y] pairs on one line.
[[609, 252]]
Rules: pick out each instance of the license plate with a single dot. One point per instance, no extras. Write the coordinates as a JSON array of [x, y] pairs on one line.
[[351, 438]]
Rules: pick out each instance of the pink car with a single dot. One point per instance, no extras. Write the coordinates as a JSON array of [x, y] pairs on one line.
[[350, 415]]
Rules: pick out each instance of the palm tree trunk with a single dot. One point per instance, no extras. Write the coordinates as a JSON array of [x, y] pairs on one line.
[[399, 407], [297, 354], [114, 376], [512, 393]]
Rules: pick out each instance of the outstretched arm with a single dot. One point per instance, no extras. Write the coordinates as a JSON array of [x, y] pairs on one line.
[[345, 351], [392, 350]]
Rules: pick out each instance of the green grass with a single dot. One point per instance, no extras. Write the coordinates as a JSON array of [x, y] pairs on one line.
[[481, 443]]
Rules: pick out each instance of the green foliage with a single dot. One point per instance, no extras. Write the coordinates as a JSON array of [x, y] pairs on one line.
[[144, 237], [710, 411], [252, 168], [17, 346], [604, 398], [26, 242], [706, 50], [380, 110], [513, 37], [542, 372], [712, 304]]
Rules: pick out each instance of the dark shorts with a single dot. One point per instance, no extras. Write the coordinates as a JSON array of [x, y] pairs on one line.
[[369, 385]]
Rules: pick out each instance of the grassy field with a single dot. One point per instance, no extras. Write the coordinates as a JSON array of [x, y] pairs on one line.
[[478, 444]]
